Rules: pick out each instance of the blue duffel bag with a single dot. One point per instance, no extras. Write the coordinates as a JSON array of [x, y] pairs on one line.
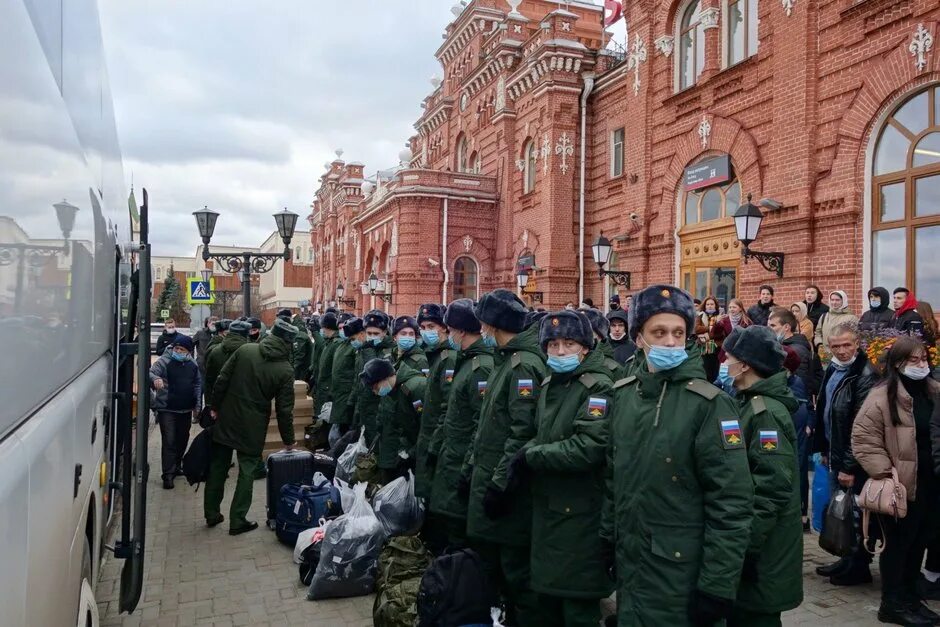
[[301, 507]]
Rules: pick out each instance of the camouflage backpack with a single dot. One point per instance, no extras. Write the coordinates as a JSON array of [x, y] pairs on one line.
[[395, 606], [404, 557]]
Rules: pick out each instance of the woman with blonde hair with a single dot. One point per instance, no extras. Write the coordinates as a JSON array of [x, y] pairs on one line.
[[725, 324], [798, 309]]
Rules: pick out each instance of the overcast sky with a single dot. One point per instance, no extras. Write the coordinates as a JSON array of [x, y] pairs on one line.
[[237, 105]]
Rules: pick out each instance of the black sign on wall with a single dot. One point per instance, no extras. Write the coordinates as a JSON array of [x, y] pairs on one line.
[[712, 171]]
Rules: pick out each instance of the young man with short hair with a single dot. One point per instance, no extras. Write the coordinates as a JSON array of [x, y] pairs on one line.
[[759, 313]]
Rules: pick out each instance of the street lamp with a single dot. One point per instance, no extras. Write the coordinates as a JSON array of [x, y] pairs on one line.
[[245, 264], [373, 282], [522, 278], [747, 222], [340, 292], [65, 212], [602, 251]]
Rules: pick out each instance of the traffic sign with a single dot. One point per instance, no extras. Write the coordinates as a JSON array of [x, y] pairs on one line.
[[201, 292], [164, 314]]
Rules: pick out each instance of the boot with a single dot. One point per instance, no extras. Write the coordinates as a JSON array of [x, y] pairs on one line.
[[853, 576], [168, 483], [898, 614], [923, 611], [837, 566], [928, 590]]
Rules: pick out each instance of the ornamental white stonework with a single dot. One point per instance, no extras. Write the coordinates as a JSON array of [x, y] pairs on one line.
[[704, 131], [665, 44], [566, 27], [637, 56], [788, 6], [921, 44], [545, 152], [467, 243], [565, 148], [501, 94], [393, 248], [520, 165], [517, 29], [709, 18], [514, 7]]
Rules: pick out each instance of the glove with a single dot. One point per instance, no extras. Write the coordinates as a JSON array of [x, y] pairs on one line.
[[517, 472], [495, 503], [463, 485], [431, 462], [749, 571], [705, 610], [609, 555]]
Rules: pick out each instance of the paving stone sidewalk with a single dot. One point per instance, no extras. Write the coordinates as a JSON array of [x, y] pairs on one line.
[[200, 576]]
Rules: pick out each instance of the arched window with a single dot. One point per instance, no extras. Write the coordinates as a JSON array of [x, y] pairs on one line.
[[465, 278], [906, 198], [712, 203], [740, 30], [531, 166], [475, 163], [297, 254], [462, 148], [691, 50]]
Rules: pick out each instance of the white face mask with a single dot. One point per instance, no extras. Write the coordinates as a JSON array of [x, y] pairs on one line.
[[916, 373]]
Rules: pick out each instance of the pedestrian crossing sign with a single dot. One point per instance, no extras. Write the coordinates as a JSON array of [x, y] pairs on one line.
[[201, 292]]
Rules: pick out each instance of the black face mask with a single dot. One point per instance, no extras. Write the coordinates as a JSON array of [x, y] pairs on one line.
[[614, 306], [254, 338]]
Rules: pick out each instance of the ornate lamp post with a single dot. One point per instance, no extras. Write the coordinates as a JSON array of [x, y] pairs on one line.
[[373, 282], [747, 221], [602, 251], [340, 292], [245, 264]]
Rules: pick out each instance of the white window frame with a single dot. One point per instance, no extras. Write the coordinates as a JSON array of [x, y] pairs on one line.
[[531, 166], [617, 149], [462, 147], [726, 33], [677, 47]]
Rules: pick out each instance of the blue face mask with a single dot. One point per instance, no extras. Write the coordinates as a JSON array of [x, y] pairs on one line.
[[322, 333], [357, 344], [405, 342], [875, 303], [376, 341], [489, 340], [724, 378], [342, 334], [453, 343], [385, 390], [567, 363], [178, 356], [431, 338], [665, 358]]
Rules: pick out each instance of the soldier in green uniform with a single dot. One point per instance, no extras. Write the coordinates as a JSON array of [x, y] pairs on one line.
[[499, 524], [564, 468], [407, 350], [343, 379], [301, 351], [401, 403], [679, 497], [441, 361], [236, 337], [252, 377], [600, 327], [329, 327], [377, 344], [254, 335], [772, 577], [221, 330]]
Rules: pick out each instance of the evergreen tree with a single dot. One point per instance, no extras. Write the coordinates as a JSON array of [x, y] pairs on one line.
[[171, 297]]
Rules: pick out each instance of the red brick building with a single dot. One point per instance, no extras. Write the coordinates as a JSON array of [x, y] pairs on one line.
[[829, 109]]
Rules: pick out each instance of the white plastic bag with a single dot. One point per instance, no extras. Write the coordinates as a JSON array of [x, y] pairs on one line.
[[307, 537], [349, 552], [397, 508], [346, 464], [346, 495], [325, 411], [319, 480]]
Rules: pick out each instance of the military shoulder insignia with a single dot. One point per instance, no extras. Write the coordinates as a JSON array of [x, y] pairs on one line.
[[515, 360], [449, 376], [524, 387], [769, 442], [481, 387], [419, 406], [731, 433], [597, 407], [758, 405], [425, 371], [625, 381]]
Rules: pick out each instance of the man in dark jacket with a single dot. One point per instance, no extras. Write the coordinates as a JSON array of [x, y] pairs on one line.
[[177, 398], [880, 315], [252, 377], [202, 338], [168, 336], [619, 340], [844, 388], [906, 318], [760, 311], [786, 328]]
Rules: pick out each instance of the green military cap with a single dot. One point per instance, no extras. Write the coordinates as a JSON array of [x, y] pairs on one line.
[[284, 330]]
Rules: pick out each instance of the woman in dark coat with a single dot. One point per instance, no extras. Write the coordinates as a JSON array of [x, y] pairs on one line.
[[815, 307]]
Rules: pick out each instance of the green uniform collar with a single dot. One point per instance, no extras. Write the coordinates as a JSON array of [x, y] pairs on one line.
[[775, 387]]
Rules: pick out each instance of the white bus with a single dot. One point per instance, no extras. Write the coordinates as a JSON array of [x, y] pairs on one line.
[[66, 376]]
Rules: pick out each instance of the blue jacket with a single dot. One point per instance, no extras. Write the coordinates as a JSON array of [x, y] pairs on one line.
[[160, 398]]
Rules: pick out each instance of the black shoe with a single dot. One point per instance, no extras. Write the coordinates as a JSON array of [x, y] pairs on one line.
[[240, 530], [212, 522], [927, 590], [611, 621], [806, 527], [898, 615], [836, 567], [852, 577], [922, 610], [167, 484]]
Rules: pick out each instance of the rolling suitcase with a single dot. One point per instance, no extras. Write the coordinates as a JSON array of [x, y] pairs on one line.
[[286, 467]]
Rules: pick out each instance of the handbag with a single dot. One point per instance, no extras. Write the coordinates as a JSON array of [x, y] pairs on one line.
[[887, 497]]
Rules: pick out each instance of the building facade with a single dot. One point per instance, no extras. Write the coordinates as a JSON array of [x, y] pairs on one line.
[[539, 139]]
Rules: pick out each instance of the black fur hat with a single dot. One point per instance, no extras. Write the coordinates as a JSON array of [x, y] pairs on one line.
[[222, 325], [573, 325], [404, 322], [502, 309], [460, 316], [343, 318], [255, 323], [376, 370], [599, 323], [353, 326], [240, 328], [534, 317], [618, 314], [657, 299], [377, 319], [329, 321], [758, 347], [284, 330], [314, 323], [431, 312], [285, 314]]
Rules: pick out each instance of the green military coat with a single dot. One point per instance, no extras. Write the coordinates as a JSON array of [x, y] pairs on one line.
[[302, 349], [507, 422], [414, 357], [317, 342], [776, 541], [325, 372], [217, 358], [399, 417], [452, 438], [214, 343], [342, 382], [365, 400], [679, 498], [440, 377], [567, 459], [252, 377]]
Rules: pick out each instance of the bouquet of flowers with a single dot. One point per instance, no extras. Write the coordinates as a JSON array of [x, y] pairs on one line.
[[876, 345]]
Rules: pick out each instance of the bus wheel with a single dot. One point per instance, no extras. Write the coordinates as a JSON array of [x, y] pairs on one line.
[[87, 607]]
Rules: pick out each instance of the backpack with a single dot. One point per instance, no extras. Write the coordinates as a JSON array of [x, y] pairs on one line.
[[316, 436], [301, 507], [197, 459], [395, 605], [455, 591], [404, 557]]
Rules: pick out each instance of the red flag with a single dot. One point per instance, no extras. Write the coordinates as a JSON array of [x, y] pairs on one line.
[[616, 11]]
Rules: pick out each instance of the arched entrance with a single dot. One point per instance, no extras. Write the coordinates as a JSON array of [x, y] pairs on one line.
[[709, 252]]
